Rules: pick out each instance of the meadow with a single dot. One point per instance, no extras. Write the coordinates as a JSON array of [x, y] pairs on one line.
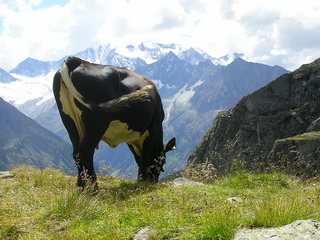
[[46, 204]]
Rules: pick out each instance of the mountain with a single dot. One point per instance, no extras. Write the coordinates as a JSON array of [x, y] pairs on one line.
[[275, 127], [131, 57], [31, 67], [5, 77], [25, 142], [193, 87], [233, 82], [206, 90]]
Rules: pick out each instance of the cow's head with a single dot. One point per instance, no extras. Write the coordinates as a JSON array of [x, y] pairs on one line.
[[157, 167]]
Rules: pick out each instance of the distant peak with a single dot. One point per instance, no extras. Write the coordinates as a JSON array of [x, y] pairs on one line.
[[130, 48], [171, 56], [6, 77], [147, 45], [227, 59], [168, 46]]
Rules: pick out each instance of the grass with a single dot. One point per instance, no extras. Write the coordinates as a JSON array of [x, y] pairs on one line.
[[45, 204], [303, 137]]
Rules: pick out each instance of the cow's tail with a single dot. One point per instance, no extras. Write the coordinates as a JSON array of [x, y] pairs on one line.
[[114, 105], [126, 100]]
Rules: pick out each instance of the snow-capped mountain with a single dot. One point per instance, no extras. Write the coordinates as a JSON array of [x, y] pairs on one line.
[[192, 84], [129, 56]]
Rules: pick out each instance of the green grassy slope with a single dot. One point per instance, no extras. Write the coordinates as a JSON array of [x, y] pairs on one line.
[[45, 204]]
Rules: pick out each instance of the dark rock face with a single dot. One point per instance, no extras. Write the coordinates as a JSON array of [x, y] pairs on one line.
[[298, 155], [246, 134]]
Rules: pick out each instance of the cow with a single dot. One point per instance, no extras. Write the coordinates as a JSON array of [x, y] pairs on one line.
[[113, 104]]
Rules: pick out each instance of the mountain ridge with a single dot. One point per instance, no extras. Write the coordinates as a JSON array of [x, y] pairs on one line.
[[25, 142], [192, 94]]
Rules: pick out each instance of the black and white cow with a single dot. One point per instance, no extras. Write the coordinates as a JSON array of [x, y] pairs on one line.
[[98, 102]]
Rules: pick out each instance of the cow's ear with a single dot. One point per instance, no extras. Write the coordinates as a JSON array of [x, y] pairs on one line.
[[171, 145]]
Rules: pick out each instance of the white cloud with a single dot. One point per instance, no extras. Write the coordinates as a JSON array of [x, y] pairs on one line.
[[275, 32]]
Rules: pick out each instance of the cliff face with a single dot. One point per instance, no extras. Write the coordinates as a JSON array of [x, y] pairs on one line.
[[249, 134]]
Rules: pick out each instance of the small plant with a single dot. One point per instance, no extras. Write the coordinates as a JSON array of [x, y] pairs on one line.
[[202, 172], [222, 224]]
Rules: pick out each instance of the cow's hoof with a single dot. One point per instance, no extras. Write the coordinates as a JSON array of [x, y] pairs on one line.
[[86, 181], [81, 181]]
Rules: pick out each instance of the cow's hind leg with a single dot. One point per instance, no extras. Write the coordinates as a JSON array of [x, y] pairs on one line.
[[80, 167]]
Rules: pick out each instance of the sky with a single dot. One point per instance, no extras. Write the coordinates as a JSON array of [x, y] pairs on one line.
[[273, 32]]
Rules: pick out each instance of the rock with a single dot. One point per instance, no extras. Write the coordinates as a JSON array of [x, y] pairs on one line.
[[143, 234], [245, 135], [234, 200], [299, 230], [314, 125], [6, 175], [181, 181], [298, 155]]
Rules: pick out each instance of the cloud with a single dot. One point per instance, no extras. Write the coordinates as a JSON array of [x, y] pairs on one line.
[[294, 35], [170, 19], [274, 32]]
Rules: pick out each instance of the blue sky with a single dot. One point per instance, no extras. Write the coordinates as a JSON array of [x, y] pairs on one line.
[[274, 32], [49, 3]]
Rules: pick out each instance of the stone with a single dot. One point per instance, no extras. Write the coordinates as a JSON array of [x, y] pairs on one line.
[[6, 175], [299, 230], [234, 200], [314, 125], [143, 234], [181, 181]]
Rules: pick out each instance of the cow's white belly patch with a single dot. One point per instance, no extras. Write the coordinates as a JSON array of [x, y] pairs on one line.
[[70, 109], [119, 132]]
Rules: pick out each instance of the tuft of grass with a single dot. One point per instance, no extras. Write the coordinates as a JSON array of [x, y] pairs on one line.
[[9, 232], [222, 224], [244, 180], [45, 204]]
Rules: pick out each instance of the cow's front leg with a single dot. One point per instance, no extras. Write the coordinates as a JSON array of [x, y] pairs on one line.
[[87, 177], [147, 171]]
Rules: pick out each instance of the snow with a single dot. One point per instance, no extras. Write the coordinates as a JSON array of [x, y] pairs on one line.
[[185, 95], [158, 83], [227, 59], [180, 99], [149, 51], [136, 52], [19, 92], [26, 92]]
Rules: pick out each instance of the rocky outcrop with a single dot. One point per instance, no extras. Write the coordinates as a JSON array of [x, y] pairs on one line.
[[249, 134], [298, 155]]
